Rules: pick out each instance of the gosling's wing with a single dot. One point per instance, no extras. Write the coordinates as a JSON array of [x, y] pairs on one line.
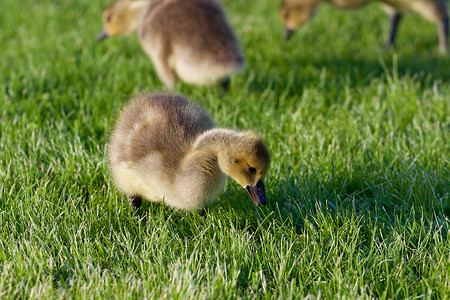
[[165, 125], [199, 27]]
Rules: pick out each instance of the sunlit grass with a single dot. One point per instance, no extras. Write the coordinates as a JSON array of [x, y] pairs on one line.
[[358, 190]]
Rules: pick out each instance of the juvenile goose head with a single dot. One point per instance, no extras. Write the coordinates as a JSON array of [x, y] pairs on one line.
[[294, 13], [247, 162], [242, 156], [122, 18], [165, 148]]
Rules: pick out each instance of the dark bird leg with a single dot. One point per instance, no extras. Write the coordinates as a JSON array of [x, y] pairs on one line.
[[202, 212], [136, 202], [395, 18], [225, 83], [443, 34]]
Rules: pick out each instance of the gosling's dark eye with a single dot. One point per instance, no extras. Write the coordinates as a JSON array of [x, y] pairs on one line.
[[252, 170], [108, 18]]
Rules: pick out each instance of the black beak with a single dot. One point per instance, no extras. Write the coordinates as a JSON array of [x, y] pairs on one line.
[[288, 33], [257, 193], [102, 35]]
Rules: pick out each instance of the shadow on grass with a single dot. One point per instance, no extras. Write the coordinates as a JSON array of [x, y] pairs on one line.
[[384, 196], [348, 70], [403, 194], [380, 207]]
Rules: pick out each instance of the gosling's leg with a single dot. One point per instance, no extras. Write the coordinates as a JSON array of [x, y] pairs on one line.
[[166, 74], [160, 58], [225, 83], [202, 212], [436, 11], [394, 18], [443, 34], [136, 202]]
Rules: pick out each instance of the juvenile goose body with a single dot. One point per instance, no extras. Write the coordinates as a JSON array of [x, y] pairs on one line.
[[166, 148], [294, 13], [190, 40]]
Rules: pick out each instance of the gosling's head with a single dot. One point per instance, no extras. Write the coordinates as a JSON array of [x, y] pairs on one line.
[[294, 13], [118, 19], [247, 160]]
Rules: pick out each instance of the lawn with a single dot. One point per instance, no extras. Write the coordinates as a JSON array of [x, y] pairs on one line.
[[358, 192]]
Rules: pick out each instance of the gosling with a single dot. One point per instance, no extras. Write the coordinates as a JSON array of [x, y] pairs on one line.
[[165, 148], [294, 13], [190, 40]]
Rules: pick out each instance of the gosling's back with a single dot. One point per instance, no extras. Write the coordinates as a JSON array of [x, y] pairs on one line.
[[191, 38], [153, 124], [196, 24]]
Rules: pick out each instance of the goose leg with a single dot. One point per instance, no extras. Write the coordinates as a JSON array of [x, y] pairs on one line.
[[395, 18], [443, 34], [202, 212], [225, 83], [160, 53], [136, 202], [436, 11], [166, 74]]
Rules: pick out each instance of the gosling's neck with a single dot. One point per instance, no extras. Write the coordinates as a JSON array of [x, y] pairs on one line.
[[200, 176], [211, 146]]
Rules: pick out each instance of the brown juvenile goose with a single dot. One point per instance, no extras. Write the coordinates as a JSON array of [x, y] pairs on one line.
[[294, 13], [165, 148], [190, 40]]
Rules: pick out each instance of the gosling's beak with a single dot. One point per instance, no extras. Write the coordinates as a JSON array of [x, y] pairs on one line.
[[257, 193], [102, 35], [288, 33]]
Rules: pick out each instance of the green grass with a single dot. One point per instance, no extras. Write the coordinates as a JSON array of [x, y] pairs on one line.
[[359, 189]]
